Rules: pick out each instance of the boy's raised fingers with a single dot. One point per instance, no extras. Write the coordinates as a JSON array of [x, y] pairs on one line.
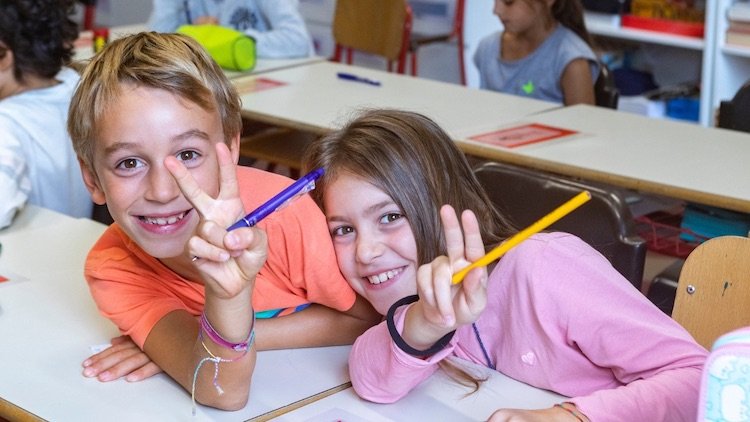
[[227, 171], [189, 187]]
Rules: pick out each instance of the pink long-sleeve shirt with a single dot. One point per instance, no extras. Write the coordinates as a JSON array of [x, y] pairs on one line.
[[561, 318]]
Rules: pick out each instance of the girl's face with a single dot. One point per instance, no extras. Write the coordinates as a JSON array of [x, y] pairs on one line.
[[374, 243], [519, 16]]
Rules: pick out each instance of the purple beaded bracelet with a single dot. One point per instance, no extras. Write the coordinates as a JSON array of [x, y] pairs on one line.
[[218, 339]]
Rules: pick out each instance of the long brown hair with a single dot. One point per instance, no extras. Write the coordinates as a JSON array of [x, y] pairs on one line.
[[570, 14], [415, 162]]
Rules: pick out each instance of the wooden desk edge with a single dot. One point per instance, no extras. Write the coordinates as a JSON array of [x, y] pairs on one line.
[[301, 403], [626, 182], [14, 413]]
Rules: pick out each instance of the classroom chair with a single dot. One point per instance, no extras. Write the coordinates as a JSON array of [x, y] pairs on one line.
[[605, 90], [418, 40], [713, 292], [277, 146], [89, 14], [735, 113], [379, 27], [605, 222]]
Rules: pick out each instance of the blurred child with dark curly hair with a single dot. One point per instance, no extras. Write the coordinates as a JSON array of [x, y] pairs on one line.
[[37, 162]]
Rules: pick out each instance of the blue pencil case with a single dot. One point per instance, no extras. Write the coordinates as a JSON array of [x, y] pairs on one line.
[[725, 384]]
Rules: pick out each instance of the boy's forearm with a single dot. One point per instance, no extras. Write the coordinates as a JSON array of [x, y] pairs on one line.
[[173, 344]]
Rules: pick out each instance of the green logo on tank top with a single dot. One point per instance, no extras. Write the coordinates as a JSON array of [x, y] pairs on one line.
[[528, 87]]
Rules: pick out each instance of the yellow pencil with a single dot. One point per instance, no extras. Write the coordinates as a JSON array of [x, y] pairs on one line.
[[519, 237]]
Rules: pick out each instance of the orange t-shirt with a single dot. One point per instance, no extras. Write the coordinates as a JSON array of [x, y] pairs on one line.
[[135, 290]]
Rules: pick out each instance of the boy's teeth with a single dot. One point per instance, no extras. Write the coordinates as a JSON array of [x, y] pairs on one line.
[[161, 221], [379, 278]]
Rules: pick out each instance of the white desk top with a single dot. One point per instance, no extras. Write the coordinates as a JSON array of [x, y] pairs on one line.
[[49, 322], [437, 399], [313, 98], [681, 160]]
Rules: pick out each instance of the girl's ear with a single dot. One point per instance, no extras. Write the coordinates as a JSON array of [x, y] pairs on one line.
[[92, 184]]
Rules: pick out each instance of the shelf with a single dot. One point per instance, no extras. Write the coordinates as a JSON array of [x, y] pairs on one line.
[[733, 50], [641, 35]]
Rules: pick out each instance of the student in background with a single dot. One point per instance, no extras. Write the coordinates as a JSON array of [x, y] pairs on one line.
[[552, 313], [276, 25], [37, 162], [542, 52], [156, 125]]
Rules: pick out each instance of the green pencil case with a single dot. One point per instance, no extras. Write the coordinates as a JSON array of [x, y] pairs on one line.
[[231, 49]]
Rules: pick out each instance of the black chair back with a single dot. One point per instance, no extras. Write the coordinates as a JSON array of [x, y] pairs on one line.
[[605, 222], [735, 114], [605, 90]]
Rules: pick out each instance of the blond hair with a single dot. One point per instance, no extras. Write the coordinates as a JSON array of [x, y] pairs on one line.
[[172, 62]]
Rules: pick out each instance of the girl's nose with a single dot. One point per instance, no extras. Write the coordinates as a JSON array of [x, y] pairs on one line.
[[369, 248]]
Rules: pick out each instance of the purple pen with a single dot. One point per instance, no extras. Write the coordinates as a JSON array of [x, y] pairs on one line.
[[302, 186]]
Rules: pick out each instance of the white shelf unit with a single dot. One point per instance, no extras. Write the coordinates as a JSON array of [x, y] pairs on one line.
[[731, 63], [613, 30], [724, 69]]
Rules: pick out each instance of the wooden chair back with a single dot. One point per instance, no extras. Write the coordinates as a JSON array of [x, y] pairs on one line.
[[379, 27], [713, 291]]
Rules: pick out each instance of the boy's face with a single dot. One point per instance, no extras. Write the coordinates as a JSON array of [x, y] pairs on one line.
[[374, 243], [141, 128]]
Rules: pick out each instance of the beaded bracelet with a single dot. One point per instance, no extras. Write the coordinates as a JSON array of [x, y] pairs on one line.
[[438, 346], [218, 339], [571, 411]]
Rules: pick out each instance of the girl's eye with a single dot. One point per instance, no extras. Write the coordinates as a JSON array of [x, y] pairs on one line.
[[187, 155], [129, 163], [342, 230], [390, 217]]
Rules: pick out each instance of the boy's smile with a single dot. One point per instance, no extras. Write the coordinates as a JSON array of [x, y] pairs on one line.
[[142, 196]]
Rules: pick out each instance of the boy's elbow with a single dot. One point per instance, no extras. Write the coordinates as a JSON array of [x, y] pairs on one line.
[[225, 401]]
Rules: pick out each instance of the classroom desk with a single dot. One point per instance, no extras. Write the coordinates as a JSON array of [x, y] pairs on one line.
[[670, 158], [49, 323], [84, 50], [439, 398], [313, 99]]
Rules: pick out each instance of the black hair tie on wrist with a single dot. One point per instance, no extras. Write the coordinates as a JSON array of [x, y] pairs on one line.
[[438, 346]]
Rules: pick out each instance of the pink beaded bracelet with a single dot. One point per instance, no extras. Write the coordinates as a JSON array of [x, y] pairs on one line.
[[218, 339]]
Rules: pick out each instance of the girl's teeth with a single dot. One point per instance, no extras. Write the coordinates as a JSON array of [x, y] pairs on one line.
[[379, 278]]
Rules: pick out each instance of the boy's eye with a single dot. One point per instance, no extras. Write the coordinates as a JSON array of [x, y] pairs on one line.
[[390, 217], [187, 155], [342, 230], [129, 163]]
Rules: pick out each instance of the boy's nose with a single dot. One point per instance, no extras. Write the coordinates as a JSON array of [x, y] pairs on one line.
[[161, 185]]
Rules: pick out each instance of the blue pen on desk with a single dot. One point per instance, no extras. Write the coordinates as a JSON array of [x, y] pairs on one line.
[[355, 78], [302, 186], [187, 12]]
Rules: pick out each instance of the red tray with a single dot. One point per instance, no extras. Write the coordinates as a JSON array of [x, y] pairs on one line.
[[689, 29]]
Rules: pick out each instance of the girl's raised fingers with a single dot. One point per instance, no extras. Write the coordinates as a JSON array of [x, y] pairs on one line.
[[454, 237], [472, 236]]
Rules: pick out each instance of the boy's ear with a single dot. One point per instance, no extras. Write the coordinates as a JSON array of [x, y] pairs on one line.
[[92, 184], [7, 59], [234, 148]]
